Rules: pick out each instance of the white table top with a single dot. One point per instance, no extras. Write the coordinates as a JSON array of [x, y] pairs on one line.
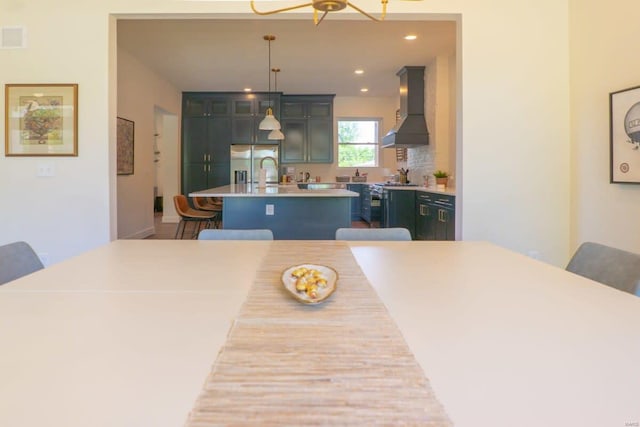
[[126, 334], [271, 190]]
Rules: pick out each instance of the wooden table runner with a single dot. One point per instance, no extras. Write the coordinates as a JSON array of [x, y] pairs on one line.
[[342, 362]]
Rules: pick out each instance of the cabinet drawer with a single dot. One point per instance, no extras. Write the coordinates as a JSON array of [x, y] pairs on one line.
[[437, 199], [444, 201], [424, 197]]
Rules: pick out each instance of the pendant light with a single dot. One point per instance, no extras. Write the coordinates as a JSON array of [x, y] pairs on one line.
[[269, 122], [275, 134]]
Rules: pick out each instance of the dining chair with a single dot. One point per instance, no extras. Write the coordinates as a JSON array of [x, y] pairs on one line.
[[610, 266], [211, 205], [226, 234], [16, 260], [388, 234], [188, 214]]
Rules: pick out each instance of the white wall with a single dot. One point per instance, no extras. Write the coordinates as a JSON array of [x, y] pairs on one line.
[[603, 60], [515, 126], [514, 102], [140, 94]]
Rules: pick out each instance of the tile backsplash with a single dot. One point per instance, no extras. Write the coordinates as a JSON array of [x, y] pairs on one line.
[[420, 162]]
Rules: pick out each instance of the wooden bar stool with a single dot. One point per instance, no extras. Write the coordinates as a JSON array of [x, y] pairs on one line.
[[188, 214]]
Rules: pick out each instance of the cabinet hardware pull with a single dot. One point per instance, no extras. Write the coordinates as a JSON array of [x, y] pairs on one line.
[[204, 157]]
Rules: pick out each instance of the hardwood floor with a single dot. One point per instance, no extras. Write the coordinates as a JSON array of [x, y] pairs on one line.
[[168, 230]]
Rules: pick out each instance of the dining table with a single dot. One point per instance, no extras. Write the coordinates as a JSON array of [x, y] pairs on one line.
[[171, 333]]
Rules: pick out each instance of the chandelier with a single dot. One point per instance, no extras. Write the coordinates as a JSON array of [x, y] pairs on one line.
[[325, 6]]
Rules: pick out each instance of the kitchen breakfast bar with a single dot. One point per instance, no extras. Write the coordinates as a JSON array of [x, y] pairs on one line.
[[291, 213]]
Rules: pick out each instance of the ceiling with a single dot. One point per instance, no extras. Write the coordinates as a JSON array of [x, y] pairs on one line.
[[230, 55]]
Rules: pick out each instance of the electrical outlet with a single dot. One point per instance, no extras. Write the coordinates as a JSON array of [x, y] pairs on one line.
[[269, 210]]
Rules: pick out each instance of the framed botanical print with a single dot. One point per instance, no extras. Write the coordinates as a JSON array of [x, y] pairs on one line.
[[41, 120], [624, 106], [126, 132]]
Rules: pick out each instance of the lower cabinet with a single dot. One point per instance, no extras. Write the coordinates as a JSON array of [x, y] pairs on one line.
[[434, 216], [355, 201], [365, 204], [400, 209]]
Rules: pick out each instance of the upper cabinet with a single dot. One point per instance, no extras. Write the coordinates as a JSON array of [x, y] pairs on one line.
[[205, 105], [307, 125], [247, 112]]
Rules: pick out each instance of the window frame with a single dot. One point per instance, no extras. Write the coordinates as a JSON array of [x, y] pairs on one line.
[[375, 144]]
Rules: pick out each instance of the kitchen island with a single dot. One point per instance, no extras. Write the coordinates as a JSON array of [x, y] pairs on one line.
[[291, 213]]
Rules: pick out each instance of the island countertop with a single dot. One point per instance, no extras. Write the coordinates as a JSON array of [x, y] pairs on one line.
[[271, 190]]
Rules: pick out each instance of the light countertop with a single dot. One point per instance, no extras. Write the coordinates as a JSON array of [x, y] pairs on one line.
[[271, 190]]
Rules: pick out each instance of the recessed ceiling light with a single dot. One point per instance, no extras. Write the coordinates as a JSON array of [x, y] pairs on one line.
[[410, 37], [364, 89], [359, 71], [247, 89]]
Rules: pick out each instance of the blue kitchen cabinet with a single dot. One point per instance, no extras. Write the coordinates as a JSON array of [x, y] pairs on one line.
[[356, 201], [435, 216], [247, 111], [307, 125], [399, 208], [206, 135]]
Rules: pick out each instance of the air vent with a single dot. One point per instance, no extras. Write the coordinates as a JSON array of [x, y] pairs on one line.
[[12, 38]]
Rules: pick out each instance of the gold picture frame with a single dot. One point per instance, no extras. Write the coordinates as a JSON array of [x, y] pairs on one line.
[[41, 119]]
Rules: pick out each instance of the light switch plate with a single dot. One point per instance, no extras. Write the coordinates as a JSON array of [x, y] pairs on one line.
[[269, 210], [45, 169]]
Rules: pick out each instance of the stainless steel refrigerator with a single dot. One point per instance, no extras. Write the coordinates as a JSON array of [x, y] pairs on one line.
[[252, 158]]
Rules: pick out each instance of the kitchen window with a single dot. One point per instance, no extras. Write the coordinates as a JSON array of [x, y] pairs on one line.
[[358, 142]]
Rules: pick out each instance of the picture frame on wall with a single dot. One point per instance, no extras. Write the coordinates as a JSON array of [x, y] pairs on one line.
[[125, 146], [624, 114], [41, 119]]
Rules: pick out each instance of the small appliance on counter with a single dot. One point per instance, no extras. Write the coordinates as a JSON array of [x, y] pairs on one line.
[[240, 177]]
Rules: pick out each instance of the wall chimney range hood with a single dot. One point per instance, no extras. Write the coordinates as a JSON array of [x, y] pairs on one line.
[[411, 129]]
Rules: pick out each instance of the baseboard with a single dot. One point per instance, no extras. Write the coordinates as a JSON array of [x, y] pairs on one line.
[[143, 234], [168, 219]]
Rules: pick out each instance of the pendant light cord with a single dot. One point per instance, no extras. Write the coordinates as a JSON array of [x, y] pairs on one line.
[[269, 71]]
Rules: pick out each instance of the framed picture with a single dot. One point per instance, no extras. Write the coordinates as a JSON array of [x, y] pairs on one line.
[[41, 120], [624, 107], [125, 146]]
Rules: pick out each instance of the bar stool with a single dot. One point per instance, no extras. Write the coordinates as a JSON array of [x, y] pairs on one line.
[[188, 214], [207, 204]]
